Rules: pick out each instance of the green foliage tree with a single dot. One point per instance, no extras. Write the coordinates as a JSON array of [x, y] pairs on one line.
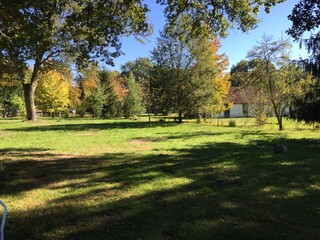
[[140, 68], [11, 101], [240, 70], [186, 72], [94, 101], [171, 78], [275, 75], [307, 108], [133, 101], [112, 104], [305, 18], [217, 15], [182, 79]]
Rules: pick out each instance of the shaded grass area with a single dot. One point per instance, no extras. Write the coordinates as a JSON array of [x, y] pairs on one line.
[[191, 182]]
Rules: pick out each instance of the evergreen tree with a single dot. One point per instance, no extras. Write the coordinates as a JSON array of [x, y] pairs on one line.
[[95, 101], [133, 101], [112, 104]]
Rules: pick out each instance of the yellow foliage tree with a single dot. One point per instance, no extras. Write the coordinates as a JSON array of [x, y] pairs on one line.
[[52, 93]]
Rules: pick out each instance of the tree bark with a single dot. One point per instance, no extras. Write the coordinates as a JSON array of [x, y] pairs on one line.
[[280, 124], [278, 116], [29, 89], [180, 117]]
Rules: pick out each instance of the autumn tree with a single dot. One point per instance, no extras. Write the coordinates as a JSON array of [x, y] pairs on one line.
[[79, 31], [221, 79], [275, 75], [74, 95], [52, 94], [255, 98]]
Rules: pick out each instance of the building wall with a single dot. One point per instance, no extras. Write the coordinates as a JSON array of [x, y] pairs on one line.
[[236, 111]]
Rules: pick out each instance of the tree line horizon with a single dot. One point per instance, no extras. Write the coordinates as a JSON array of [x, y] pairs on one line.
[[185, 75]]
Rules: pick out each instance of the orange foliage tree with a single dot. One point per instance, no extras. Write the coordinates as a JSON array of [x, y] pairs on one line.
[[221, 77]]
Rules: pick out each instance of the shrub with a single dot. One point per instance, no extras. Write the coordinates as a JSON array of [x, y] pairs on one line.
[[232, 123], [261, 119]]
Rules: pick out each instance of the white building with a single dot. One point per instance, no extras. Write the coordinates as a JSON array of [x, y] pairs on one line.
[[240, 107]]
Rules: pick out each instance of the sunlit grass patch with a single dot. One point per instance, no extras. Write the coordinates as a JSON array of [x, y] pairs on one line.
[[120, 179], [160, 184]]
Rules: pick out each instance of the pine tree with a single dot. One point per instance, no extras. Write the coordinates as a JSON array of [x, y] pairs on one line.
[[133, 101]]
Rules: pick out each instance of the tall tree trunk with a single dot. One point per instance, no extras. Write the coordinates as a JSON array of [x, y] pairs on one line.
[[278, 116], [29, 90], [280, 123], [180, 117]]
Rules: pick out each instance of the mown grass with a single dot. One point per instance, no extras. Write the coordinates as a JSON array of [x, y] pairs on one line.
[[119, 179]]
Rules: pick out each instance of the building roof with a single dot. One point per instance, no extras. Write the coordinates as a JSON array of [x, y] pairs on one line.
[[239, 95]]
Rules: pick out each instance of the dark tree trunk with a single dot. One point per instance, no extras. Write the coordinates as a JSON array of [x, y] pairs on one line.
[[180, 117], [29, 90], [278, 116]]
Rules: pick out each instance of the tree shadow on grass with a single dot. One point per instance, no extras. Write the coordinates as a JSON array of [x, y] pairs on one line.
[[213, 191], [94, 126]]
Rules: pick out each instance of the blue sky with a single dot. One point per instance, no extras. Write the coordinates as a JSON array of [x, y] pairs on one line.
[[235, 46]]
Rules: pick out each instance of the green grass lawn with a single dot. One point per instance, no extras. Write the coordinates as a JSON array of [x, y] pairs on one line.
[[118, 179]]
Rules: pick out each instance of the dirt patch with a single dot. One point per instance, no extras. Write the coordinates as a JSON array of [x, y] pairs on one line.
[[88, 134], [141, 145]]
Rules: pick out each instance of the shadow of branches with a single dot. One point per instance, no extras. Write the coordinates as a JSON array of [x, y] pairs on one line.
[[212, 191]]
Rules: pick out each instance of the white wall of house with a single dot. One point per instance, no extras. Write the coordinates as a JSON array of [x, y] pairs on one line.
[[236, 111]]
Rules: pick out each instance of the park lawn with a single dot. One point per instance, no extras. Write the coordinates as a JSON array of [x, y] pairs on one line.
[[121, 179]]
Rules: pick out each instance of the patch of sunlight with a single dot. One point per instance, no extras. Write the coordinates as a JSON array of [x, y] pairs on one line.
[[315, 186], [150, 174], [67, 183], [31, 199], [270, 189], [159, 184], [229, 205], [295, 193], [273, 191], [290, 163], [6, 134], [227, 165]]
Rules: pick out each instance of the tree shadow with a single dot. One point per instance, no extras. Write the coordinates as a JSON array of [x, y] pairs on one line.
[[94, 126], [212, 191]]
